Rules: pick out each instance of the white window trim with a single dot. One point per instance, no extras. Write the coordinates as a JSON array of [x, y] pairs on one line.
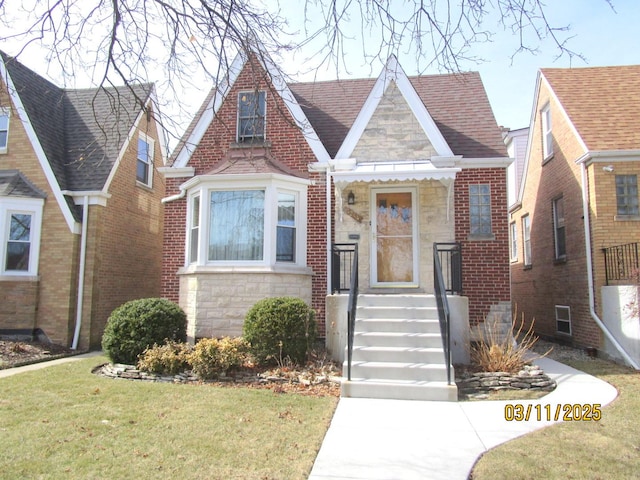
[[556, 227], [272, 184], [30, 206], [6, 111], [264, 126], [547, 136], [513, 241], [527, 260], [568, 310], [151, 143]]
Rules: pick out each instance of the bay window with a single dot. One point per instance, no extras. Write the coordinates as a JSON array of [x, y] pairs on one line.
[[253, 220]]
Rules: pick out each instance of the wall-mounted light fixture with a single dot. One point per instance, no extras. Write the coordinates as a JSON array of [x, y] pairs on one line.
[[351, 198], [608, 169]]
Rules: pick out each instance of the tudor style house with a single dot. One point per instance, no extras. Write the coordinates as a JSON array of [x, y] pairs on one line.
[[80, 214], [575, 229], [272, 179]]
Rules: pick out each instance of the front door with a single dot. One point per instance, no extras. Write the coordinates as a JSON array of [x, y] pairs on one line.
[[394, 242]]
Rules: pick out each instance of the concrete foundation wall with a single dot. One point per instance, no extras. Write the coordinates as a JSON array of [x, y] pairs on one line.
[[620, 316]]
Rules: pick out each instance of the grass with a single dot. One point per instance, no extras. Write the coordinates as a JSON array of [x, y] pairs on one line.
[[64, 422], [606, 449]]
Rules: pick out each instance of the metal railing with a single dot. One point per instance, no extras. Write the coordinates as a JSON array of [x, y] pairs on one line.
[[450, 258], [443, 308], [621, 262], [351, 312], [341, 266]]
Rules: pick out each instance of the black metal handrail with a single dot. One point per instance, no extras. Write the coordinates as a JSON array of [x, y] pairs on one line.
[[341, 264], [621, 262], [443, 309], [450, 258], [351, 312]]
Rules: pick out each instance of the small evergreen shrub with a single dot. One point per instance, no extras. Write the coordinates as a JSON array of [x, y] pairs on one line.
[[168, 359], [212, 357], [139, 324], [279, 328]]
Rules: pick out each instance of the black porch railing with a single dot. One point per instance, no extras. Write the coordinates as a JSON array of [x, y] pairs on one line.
[[341, 264], [443, 308], [621, 263], [450, 259], [351, 312]]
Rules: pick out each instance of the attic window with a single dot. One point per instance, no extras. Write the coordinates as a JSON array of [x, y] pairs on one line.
[[4, 129], [144, 170], [251, 116], [547, 137]]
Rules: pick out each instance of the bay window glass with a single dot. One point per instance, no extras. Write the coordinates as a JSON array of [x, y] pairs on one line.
[[286, 229], [236, 226], [19, 242], [195, 229]]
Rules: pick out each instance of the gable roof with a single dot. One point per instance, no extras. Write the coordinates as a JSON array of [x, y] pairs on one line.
[[602, 103], [14, 184], [457, 103], [77, 134]]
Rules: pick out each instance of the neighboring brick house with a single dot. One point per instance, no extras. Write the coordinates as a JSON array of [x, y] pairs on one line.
[[304, 165], [581, 175], [80, 213]]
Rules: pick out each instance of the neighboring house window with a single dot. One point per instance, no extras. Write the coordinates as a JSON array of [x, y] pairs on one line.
[[251, 116], [627, 194], [20, 230], [563, 319], [236, 228], [558, 229], [259, 222], [144, 166], [547, 137], [526, 239], [4, 129], [513, 232], [286, 230], [480, 209], [195, 229]]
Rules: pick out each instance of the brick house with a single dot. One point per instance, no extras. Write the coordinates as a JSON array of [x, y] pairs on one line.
[[391, 164], [80, 213], [578, 208]]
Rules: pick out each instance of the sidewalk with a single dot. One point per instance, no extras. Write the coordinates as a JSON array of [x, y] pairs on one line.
[[37, 366], [397, 439]]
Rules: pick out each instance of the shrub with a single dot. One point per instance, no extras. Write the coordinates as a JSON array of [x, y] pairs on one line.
[[278, 328], [212, 357], [137, 325], [495, 352], [168, 359]]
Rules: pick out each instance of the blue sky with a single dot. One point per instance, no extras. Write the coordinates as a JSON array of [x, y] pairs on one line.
[[604, 36]]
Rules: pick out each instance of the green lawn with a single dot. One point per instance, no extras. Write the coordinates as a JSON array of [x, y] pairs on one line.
[[64, 422], [607, 449]]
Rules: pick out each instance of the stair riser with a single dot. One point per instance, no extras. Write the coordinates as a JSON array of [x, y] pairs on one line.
[[404, 356], [380, 372], [408, 340], [441, 393], [398, 300], [401, 313], [399, 326]]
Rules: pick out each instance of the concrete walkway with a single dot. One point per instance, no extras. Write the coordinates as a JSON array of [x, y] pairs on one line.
[[398, 439], [37, 366]]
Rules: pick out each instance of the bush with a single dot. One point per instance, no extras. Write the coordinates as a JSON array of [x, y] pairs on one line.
[[139, 324], [279, 328], [168, 359], [212, 357]]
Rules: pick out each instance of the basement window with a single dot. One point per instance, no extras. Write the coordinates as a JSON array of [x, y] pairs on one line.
[[563, 319]]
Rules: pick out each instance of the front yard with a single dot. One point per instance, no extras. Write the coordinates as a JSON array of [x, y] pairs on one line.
[[64, 422]]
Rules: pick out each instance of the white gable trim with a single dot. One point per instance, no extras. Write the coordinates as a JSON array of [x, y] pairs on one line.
[[279, 84], [393, 71], [39, 151]]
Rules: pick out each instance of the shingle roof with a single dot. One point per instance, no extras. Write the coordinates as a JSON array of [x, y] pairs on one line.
[[603, 104], [14, 184], [457, 103], [81, 131]]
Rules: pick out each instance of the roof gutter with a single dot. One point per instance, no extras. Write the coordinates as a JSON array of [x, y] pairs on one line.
[[587, 243]]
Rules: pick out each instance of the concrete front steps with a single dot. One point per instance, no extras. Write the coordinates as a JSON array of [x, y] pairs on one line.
[[397, 350]]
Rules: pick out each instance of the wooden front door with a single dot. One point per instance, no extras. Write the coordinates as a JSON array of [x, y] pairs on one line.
[[394, 242]]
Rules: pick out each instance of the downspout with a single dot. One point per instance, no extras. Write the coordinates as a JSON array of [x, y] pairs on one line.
[[587, 236], [177, 196], [83, 255], [329, 258]]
